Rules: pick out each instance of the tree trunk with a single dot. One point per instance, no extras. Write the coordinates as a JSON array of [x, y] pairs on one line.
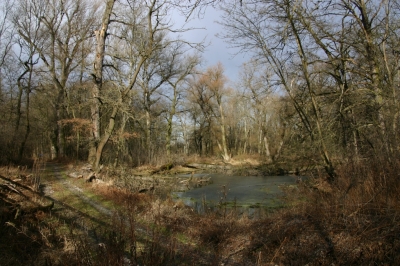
[[303, 56], [27, 119], [225, 154], [59, 128], [170, 118], [104, 139], [111, 122], [169, 136], [148, 135], [11, 148], [96, 146], [267, 151]]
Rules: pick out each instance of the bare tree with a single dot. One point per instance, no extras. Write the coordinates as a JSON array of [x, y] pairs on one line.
[[200, 103], [215, 81], [6, 31], [255, 81], [183, 67], [6, 41], [258, 27], [98, 65], [154, 75], [208, 93], [26, 84], [63, 27], [139, 33]]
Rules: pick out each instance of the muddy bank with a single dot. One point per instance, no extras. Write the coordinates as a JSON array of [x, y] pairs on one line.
[[169, 179]]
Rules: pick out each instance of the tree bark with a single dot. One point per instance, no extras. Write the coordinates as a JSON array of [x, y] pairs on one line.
[[111, 122], [95, 145], [225, 154], [304, 63]]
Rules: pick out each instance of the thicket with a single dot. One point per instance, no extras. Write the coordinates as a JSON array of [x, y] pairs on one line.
[[321, 85], [110, 83], [353, 221]]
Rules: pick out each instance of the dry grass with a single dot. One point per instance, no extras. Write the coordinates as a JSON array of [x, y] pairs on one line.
[[351, 222], [355, 222]]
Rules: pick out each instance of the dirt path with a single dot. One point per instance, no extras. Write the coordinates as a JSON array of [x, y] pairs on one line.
[[56, 175], [74, 195]]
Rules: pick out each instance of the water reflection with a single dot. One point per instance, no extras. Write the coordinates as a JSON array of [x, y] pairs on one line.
[[236, 191]]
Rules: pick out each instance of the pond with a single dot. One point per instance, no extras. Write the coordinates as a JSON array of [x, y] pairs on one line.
[[240, 191]]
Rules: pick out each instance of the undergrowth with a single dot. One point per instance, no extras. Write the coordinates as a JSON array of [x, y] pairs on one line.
[[352, 221]]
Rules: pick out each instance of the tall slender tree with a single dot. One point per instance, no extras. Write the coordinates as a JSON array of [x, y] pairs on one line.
[[63, 27], [98, 65]]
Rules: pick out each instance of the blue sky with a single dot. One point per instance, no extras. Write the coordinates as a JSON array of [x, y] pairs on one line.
[[217, 50]]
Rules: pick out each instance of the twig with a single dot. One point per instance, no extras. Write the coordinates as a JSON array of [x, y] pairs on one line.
[[276, 252]]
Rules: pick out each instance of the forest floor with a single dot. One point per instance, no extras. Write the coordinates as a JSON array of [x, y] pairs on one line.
[[123, 217]]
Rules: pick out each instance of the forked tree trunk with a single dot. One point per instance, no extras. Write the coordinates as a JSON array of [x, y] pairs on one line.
[[101, 35], [111, 122]]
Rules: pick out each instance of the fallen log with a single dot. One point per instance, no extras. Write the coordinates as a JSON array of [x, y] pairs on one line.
[[47, 208], [7, 200], [99, 221], [9, 187], [144, 190], [162, 168], [208, 166], [90, 177], [16, 183]]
